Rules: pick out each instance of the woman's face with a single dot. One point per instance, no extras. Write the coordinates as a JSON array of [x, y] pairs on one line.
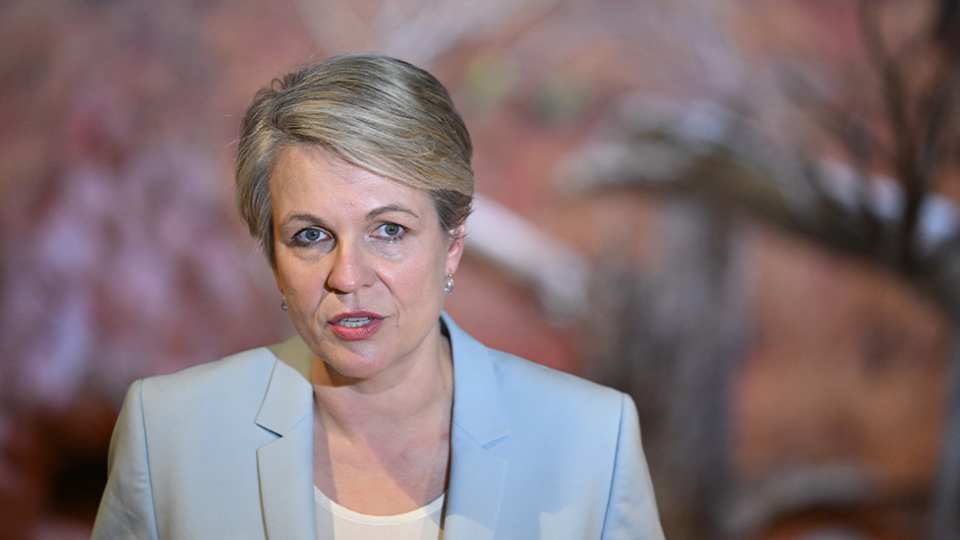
[[361, 261]]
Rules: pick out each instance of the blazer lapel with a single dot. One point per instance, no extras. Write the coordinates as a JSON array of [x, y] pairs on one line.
[[477, 474], [285, 465]]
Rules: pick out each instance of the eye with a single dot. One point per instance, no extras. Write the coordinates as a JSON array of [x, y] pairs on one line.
[[310, 235], [390, 231]]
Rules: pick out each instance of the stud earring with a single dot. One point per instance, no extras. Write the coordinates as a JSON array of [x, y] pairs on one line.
[[283, 304], [448, 285]]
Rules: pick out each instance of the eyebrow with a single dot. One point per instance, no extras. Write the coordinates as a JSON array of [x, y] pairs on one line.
[[309, 218], [371, 215], [376, 212]]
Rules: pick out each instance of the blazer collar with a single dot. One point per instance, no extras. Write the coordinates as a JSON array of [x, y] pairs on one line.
[[285, 465], [477, 472], [477, 408], [289, 397]]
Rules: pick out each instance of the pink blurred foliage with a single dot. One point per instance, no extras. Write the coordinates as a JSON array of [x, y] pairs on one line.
[[124, 257], [121, 255]]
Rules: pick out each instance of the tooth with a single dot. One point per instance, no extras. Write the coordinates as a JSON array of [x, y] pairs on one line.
[[355, 322]]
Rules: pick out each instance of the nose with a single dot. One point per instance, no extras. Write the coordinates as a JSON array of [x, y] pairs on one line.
[[349, 270]]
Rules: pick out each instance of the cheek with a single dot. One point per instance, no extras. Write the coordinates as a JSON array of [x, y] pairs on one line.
[[301, 286], [416, 283]]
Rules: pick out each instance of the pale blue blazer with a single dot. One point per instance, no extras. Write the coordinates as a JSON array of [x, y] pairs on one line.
[[225, 450]]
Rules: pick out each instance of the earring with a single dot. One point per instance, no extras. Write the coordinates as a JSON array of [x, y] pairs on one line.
[[283, 304], [448, 285]]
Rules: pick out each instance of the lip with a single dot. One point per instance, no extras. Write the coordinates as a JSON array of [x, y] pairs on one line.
[[347, 333]]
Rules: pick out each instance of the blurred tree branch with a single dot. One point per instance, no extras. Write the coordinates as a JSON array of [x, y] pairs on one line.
[[919, 76], [907, 129]]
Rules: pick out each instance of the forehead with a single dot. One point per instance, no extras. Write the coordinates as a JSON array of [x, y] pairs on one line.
[[311, 176]]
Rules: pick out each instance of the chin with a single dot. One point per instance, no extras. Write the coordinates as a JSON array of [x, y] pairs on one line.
[[354, 371], [353, 364]]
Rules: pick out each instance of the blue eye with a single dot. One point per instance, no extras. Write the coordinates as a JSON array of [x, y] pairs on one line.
[[390, 232], [310, 235]]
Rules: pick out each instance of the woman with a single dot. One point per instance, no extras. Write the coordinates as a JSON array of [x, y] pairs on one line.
[[381, 419]]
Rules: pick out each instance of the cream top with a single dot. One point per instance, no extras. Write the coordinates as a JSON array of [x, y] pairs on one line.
[[339, 523]]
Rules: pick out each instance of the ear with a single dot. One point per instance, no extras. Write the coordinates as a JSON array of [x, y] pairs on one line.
[[455, 249]]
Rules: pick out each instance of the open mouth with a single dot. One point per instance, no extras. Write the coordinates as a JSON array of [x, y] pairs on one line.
[[356, 326], [355, 322]]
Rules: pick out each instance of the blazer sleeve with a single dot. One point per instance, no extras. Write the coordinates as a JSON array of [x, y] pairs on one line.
[[126, 510], [632, 509]]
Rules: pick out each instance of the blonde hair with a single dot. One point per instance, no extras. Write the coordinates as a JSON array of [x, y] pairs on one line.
[[375, 112]]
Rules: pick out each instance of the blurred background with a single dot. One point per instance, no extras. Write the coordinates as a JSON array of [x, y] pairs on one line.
[[744, 213]]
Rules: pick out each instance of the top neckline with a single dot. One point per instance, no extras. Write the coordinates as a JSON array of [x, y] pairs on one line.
[[345, 513]]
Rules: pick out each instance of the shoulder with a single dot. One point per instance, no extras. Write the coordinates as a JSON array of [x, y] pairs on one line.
[[228, 392], [217, 401], [551, 401], [519, 376], [526, 391], [231, 375]]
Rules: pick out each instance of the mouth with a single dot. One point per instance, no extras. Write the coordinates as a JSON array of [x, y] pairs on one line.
[[355, 322], [355, 326]]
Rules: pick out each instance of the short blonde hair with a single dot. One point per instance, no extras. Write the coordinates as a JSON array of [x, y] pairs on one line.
[[378, 113]]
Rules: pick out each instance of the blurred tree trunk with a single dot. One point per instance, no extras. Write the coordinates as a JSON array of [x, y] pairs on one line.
[[946, 510], [946, 504], [670, 331]]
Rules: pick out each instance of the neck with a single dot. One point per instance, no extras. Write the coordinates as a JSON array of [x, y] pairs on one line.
[[418, 393]]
